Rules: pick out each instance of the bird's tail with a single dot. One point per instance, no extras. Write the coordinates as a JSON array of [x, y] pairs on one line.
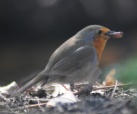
[[41, 76]]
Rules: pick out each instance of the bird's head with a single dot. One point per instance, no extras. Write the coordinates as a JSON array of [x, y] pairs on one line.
[[93, 32], [106, 33], [97, 36]]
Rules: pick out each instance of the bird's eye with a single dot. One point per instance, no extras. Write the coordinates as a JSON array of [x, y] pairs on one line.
[[99, 31]]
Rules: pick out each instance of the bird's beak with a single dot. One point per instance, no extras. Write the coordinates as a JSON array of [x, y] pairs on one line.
[[113, 34]]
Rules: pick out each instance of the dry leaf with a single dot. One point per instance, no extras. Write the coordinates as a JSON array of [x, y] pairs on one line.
[[110, 79], [67, 98]]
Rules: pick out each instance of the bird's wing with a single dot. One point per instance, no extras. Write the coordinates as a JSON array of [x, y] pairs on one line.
[[75, 61]]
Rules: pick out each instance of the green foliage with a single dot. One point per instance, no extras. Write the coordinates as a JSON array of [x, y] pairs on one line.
[[126, 71]]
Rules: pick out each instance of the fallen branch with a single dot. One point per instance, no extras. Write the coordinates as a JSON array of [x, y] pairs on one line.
[[119, 85]]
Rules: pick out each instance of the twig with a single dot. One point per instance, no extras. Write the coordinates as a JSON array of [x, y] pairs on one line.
[[98, 84], [113, 92], [4, 98], [39, 105], [7, 106], [35, 105], [119, 85], [45, 100]]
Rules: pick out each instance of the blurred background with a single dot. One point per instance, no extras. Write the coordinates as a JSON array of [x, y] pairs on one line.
[[30, 30]]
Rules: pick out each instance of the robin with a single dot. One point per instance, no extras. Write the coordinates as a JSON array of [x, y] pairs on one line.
[[77, 59]]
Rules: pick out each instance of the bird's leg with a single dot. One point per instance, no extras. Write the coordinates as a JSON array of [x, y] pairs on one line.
[[65, 87], [72, 87], [45, 81]]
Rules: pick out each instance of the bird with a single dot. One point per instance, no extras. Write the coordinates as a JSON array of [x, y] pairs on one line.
[[77, 59]]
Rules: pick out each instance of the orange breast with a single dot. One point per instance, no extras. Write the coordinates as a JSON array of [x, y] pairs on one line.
[[99, 44]]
